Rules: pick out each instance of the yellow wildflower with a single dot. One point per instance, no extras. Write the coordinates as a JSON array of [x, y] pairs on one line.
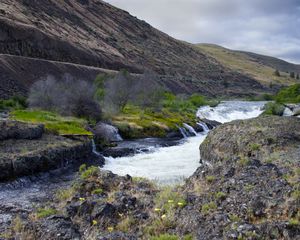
[[94, 222], [110, 229], [163, 216], [157, 209]]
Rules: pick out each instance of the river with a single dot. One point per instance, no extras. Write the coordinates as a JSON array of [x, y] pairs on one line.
[[170, 165], [166, 165]]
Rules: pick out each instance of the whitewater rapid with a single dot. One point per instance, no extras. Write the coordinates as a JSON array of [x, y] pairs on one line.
[[170, 165]]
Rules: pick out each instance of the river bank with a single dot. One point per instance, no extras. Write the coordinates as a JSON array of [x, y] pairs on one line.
[[165, 165], [237, 193]]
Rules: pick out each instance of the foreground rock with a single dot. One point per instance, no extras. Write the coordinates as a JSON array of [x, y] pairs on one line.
[[101, 205], [248, 188], [25, 149], [292, 110]]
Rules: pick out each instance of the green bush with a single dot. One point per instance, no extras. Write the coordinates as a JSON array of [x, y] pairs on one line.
[[184, 103], [290, 94], [273, 108], [89, 172], [197, 100], [14, 103]]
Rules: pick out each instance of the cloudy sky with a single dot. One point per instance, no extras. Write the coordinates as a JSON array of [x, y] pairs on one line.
[[270, 27]]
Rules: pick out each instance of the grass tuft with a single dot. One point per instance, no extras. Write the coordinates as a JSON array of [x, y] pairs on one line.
[[45, 212]]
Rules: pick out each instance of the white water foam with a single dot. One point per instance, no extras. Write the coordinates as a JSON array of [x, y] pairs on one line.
[[231, 110], [167, 165], [171, 165]]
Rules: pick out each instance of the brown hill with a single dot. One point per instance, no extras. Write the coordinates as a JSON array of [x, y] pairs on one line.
[[254, 65], [94, 33]]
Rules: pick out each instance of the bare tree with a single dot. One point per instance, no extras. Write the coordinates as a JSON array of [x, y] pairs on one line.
[[42, 93], [147, 91], [68, 96], [123, 88], [119, 90]]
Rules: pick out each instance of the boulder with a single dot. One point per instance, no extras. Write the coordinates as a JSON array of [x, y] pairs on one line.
[[267, 138], [107, 133], [292, 109], [247, 186], [211, 124]]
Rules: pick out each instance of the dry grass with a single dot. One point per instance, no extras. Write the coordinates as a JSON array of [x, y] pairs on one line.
[[243, 63]]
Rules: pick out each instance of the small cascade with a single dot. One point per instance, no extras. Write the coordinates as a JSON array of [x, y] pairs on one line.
[[117, 135], [287, 112], [190, 129], [183, 132], [204, 126], [94, 149]]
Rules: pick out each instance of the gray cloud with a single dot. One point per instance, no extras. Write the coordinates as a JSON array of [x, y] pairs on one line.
[[268, 27]]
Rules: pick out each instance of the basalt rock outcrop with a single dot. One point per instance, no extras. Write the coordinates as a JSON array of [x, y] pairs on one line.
[[25, 150], [239, 192], [19, 130], [248, 186]]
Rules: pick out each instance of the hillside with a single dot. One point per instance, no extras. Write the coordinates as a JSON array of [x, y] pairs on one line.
[[94, 33], [256, 66]]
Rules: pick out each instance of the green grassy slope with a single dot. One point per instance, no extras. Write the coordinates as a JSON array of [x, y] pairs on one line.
[[257, 66]]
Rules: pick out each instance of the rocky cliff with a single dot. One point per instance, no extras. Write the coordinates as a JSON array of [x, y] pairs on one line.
[[94, 33]]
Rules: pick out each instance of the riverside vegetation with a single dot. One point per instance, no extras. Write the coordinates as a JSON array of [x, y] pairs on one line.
[[136, 105], [287, 95]]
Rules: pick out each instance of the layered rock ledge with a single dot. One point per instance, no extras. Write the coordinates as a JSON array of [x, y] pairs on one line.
[[25, 149]]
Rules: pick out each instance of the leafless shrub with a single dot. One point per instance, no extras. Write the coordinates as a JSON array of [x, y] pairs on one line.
[[143, 91], [119, 90], [67, 96], [148, 92]]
